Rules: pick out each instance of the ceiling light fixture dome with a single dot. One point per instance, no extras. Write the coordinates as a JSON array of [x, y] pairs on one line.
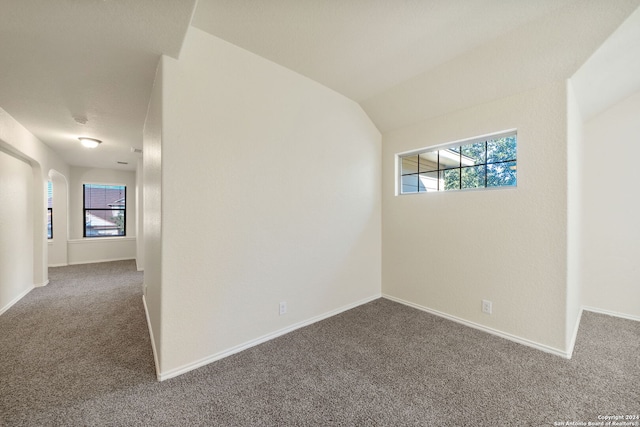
[[89, 142]]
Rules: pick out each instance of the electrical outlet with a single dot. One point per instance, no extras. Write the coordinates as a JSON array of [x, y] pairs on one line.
[[486, 306], [283, 307]]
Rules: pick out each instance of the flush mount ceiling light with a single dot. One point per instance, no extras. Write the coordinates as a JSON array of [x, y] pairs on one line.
[[89, 142]]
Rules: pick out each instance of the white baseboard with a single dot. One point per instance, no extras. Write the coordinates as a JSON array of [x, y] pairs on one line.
[[510, 337], [612, 313], [153, 341], [95, 261], [62, 264], [15, 300], [220, 355]]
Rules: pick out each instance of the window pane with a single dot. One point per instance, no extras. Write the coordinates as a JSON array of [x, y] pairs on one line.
[[104, 222], [501, 174], [104, 210], [500, 150], [473, 154], [473, 177], [410, 184], [429, 181], [449, 159], [451, 179], [49, 210], [49, 194], [429, 161], [478, 164], [104, 196], [409, 164], [49, 223]]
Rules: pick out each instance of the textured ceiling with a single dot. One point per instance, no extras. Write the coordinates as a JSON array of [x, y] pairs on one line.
[[71, 68], [409, 60], [550, 48], [363, 47]]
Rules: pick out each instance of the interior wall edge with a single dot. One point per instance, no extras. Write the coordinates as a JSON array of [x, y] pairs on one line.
[[574, 335], [153, 341]]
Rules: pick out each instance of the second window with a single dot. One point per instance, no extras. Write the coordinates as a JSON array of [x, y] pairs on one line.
[[105, 208]]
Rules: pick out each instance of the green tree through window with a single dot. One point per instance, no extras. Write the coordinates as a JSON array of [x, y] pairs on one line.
[[482, 163]]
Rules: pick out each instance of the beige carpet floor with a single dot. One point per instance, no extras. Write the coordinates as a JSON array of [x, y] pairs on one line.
[[77, 353]]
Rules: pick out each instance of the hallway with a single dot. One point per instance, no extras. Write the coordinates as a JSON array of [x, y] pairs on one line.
[[81, 337]]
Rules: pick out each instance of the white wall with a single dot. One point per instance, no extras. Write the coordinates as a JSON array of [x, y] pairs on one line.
[[103, 249], [152, 205], [16, 228], [82, 250], [140, 215], [574, 214], [20, 143], [270, 192], [447, 251], [611, 232]]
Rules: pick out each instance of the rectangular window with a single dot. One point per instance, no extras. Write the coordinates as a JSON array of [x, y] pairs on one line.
[[49, 210], [105, 209], [475, 163]]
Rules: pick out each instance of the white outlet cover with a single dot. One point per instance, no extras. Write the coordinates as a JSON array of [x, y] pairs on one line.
[[486, 306]]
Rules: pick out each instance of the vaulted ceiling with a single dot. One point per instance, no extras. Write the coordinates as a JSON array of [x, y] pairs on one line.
[[74, 68], [361, 48]]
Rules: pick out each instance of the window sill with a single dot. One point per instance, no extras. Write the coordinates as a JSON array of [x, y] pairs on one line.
[[101, 239], [463, 190]]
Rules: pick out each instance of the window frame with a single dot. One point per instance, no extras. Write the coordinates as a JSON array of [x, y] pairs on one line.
[[85, 209], [49, 210], [50, 222], [447, 146]]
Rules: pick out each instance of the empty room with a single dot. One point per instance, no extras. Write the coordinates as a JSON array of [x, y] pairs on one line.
[[309, 212]]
